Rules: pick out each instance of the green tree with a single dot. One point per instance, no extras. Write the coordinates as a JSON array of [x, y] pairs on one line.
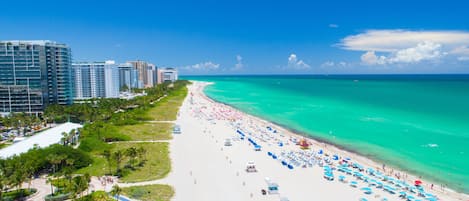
[[118, 157], [132, 153], [116, 191], [107, 154]]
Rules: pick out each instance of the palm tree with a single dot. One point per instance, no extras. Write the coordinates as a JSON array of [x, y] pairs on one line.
[[50, 180], [107, 155], [116, 191], [142, 154], [132, 154], [118, 157], [64, 139]]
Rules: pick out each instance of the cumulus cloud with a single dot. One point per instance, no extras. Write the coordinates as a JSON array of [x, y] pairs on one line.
[[295, 63], [239, 63], [402, 46], [204, 66], [421, 52]]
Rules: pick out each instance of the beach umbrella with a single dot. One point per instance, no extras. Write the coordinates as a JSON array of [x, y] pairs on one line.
[[269, 153], [290, 167], [418, 182], [284, 163], [363, 199], [335, 157], [320, 151], [366, 189], [341, 177], [274, 156], [353, 184]]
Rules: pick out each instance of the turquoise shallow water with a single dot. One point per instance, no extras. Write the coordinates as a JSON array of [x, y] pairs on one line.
[[417, 123]]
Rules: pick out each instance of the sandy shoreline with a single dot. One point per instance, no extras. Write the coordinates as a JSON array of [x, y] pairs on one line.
[[210, 123]]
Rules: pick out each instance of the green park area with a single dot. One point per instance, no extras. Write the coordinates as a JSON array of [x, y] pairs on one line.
[[155, 192], [147, 131], [107, 146]]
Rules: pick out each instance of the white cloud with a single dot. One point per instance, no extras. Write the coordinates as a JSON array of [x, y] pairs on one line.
[[403, 46], [328, 64], [370, 58], [294, 63], [204, 66], [462, 50], [239, 63], [333, 26], [423, 51], [464, 58]]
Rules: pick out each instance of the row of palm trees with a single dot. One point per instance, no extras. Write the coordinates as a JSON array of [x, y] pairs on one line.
[[135, 157]]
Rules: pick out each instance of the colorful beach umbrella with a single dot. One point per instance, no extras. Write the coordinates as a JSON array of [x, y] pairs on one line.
[[418, 182]]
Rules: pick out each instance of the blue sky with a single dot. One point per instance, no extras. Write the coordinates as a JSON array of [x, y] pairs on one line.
[[254, 37]]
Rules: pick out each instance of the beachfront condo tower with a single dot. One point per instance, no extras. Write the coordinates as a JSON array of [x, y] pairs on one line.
[[96, 79], [34, 74]]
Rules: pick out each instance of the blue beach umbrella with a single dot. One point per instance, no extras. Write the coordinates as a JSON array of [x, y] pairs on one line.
[[363, 199], [274, 156], [335, 157], [290, 167], [320, 151], [366, 189], [353, 183], [269, 153], [341, 177], [284, 163]]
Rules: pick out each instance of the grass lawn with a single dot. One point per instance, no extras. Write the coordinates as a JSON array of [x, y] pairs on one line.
[[147, 131], [151, 192], [3, 145], [166, 109], [96, 196], [156, 166]]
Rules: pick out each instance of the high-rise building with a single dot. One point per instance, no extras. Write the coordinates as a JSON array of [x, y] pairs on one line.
[[34, 74], [111, 80], [128, 77], [169, 75], [142, 69], [96, 80]]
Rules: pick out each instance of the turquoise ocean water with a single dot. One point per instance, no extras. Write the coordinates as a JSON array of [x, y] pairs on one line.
[[419, 123]]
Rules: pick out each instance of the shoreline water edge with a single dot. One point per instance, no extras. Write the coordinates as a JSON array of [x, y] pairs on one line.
[[442, 192]]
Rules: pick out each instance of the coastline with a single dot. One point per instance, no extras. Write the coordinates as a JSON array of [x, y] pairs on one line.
[[369, 161]]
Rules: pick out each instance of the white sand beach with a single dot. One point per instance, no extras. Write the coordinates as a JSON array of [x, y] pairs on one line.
[[204, 169]]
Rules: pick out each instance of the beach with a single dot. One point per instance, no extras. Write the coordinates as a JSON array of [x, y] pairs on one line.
[[203, 168]]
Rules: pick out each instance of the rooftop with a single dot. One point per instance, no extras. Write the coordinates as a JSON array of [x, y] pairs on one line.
[[32, 42], [42, 139]]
